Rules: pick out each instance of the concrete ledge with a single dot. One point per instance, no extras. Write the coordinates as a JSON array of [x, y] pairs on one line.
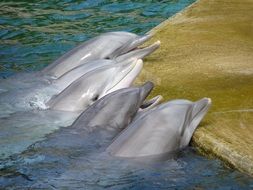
[[207, 51]]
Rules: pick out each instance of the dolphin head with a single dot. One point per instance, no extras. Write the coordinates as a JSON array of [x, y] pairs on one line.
[[115, 110], [95, 84], [126, 45], [68, 77], [161, 130], [105, 46]]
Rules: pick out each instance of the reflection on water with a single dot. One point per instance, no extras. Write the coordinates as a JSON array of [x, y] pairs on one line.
[[33, 34]]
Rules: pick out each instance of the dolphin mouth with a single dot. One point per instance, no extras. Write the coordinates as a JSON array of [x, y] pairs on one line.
[[131, 45], [145, 90], [153, 46], [127, 75], [135, 43], [139, 52], [201, 107], [149, 104]]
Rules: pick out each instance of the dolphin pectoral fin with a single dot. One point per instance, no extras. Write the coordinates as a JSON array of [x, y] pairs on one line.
[[149, 104], [198, 112], [139, 53]]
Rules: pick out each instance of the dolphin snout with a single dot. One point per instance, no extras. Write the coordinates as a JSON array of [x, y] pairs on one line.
[[138, 41], [200, 108], [139, 53], [151, 103], [145, 90], [132, 44]]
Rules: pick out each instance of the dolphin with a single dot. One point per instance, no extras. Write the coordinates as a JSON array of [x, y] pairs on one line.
[[115, 110], [95, 84], [41, 94], [96, 125], [160, 131], [26, 128], [29, 80], [66, 79], [106, 46], [26, 80]]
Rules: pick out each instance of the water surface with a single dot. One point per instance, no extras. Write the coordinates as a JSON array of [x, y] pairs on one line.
[[33, 34]]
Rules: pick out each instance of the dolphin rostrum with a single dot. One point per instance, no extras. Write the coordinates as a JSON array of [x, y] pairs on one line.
[[106, 46], [161, 130]]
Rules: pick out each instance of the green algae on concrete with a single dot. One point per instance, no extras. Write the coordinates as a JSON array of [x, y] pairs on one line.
[[207, 51]]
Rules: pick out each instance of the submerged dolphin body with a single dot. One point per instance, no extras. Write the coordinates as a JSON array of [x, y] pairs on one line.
[[161, 130], [33, 90], [23, 129], [106, 46], [96, 126], [95, 84]]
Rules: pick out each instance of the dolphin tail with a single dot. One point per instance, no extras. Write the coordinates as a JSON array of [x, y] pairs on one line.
[[195, 115]]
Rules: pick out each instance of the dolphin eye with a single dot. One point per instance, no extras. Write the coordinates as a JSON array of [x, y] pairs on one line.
[[95, 98]]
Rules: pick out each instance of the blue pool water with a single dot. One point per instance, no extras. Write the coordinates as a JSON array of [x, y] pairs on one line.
[[33, 34]]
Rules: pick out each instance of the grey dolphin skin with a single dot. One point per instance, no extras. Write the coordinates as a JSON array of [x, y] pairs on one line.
[[106, 46], [41, 91], [95, 84], [161, 130], [65, 80], [38, 94], [110, 114], [115, 110]]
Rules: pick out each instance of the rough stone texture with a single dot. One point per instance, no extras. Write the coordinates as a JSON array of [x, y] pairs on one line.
[[207, 51]]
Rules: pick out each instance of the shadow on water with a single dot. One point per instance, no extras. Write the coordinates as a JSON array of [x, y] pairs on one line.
[[33, 34]]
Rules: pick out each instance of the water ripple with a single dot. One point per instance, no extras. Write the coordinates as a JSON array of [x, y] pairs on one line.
[[57, 25], [33, 34]]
